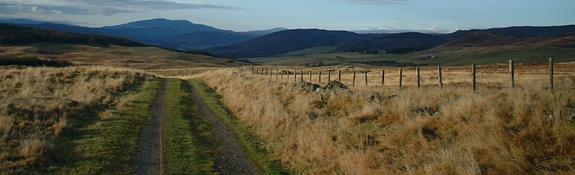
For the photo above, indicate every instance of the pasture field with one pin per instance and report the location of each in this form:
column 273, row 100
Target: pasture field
column 113, row 56
column 209, row 120
column 375, row 130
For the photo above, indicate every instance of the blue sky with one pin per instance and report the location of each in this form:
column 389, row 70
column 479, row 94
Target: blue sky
column 243, row 15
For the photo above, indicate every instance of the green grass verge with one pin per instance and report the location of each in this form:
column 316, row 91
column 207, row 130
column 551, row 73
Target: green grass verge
column 187, row 138
column 106, row 142
column 250, row 143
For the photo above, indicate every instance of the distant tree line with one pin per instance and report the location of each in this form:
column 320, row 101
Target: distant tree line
column 14, row 35
column 33, row 61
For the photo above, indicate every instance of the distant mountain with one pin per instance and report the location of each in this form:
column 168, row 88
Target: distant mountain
column 265, row 32
column 172, row 26
column 286, row 41
column 153, row 30
column 173, row 34
column 392, row 31
column 412, row 42
column 20, row 21
column 524, row 31
column 396, row 43
column 203, row 40
column 14, row 35
column 484, row 39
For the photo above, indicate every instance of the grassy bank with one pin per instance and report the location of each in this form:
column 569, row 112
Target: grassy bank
column 454, row 130
column 252, row 147
column 47, row 113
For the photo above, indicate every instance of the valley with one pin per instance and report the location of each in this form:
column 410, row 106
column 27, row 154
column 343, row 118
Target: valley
column 162, row 96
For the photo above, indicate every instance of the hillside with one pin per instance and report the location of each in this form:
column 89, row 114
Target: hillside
column 396, row 43
column 10, row 34
column 173, row 34
column 463, row 51
column 413, row 42
column 286, row 41
column 203, row 40
column 311, row 41
column 44, row 47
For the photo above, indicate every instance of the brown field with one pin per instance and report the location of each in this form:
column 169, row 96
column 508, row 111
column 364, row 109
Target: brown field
column 115, row 56
column 364, row 130
column 39, row 104
column 497, row 130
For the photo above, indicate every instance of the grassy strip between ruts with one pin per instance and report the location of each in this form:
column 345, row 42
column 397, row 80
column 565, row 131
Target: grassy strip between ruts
column 107, row 146
column 248, row 141
column 187, row 137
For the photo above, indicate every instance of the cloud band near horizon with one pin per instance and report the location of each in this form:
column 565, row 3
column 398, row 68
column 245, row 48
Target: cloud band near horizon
column 100, row 7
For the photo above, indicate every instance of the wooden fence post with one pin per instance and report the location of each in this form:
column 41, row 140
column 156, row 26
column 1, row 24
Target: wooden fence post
column 301, row 76
column 353, row 82
column 339, row 75
column 551, row 83
column 277, row 73
column 474, row 76
column 400, row 77
column 282, row 74
column 365, row 75
column 439, row 76
column 319, row 77
column 382, row 78
column 512, row 73
column 295, row 76
column 310, row 79
column 418, row 77
column 328, row 76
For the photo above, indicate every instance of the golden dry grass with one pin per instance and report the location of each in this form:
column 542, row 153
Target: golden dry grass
column 373, row 130
column 37, row 104
column 116, row 56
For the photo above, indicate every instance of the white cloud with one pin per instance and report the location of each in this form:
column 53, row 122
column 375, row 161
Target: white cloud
column 96, row 7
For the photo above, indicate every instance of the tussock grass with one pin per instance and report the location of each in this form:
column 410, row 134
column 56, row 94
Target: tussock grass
column 40, row 104
column 413, row 131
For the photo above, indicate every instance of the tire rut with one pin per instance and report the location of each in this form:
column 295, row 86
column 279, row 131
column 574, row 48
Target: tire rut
column 149, row 157
column 230, row 158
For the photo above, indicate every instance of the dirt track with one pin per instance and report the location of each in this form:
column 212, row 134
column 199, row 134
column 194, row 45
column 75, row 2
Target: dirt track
column 149, row 158
column 231, row 158
column 229, row 155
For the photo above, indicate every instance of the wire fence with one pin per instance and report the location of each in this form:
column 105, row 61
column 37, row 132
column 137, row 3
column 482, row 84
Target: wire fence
column 474, row 76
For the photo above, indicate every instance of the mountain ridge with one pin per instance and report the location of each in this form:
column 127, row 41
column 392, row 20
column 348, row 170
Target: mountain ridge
column 152, row 32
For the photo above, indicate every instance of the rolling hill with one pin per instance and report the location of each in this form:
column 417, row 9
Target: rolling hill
column 396, row 43
column 287, row 41
column 10, row 34
column 38, row 46
column 173, row 34
column 311, row 41
column 413, row 42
